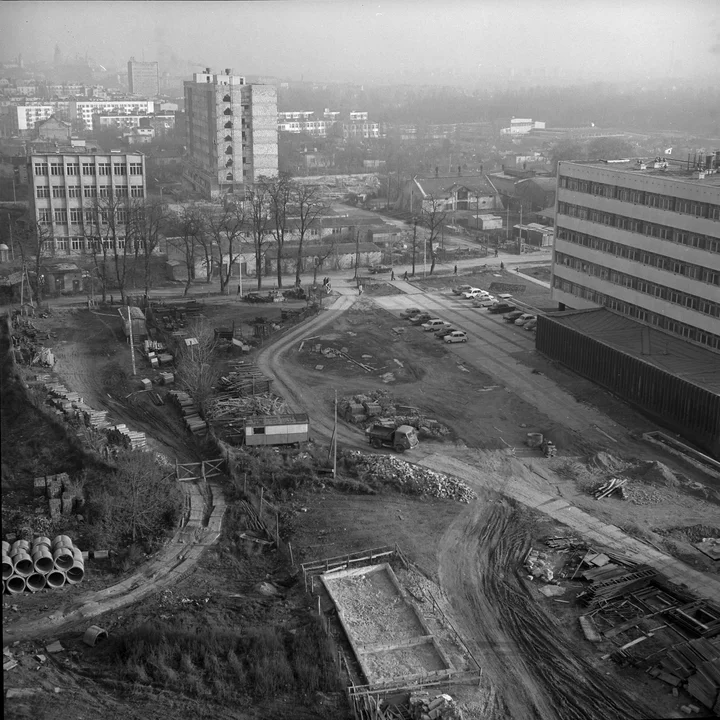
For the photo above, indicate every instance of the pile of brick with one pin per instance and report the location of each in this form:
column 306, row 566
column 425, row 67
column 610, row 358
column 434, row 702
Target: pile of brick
column 423, row 706
column 412, row 479
column 58, row 491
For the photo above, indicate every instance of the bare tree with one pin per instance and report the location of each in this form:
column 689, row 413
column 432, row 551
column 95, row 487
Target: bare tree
column 196, row 371
column 259, row 208
column 32, row 240
column 147, row 220
column 324, row 252
column 185, row 228
column 280, row 194
column 308, row 208
column 226, row 227
column 432, row 218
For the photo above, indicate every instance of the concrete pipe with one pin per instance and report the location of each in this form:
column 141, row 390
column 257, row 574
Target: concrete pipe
column 63, row 558
column 43, row 559
column 15, row 585
column 5, row 547
column 76, row 573
column 93, row 635
column 19, row 545
column 22, row 563
column 35, row 582
column 7, row 566
column 55, row 579
column 62, row 539
column 42, row 540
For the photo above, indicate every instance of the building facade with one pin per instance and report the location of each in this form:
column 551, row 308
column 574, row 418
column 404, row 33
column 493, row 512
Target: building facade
column 82, row 111
column 82, row 201
column 143, row 78
column 232, row 133
column 26, row 117
column 642, row 239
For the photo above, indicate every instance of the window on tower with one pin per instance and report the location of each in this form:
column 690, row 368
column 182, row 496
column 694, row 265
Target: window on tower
column 228, row 124
column 228, row 111
column 228, row 150
column 229, row 176
column 226, row 98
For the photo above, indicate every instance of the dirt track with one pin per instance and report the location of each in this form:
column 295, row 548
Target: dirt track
column 523, row 650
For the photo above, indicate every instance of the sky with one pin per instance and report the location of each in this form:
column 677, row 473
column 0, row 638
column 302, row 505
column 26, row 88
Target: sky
column 387, row 41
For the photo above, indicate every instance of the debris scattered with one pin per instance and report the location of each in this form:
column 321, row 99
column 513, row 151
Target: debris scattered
column 614, row 486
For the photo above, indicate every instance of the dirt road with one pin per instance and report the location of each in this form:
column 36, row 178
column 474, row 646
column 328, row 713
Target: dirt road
column 522, row 648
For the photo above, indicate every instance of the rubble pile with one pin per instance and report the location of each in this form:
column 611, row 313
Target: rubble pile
column 424, row 706
column 59, row 491
column 238, row 407
column 412, row 479
column 27, row 346
column 536, row 564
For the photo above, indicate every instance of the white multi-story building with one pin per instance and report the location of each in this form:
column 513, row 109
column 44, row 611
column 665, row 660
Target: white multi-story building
column 25, row 117
column 83, row 110
column 232, row 133
column 75, row 198
column 302, row 121
column 643, row 239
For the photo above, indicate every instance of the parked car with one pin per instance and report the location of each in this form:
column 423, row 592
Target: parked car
column 445, row 331
column 501, row 307
column 455, row 336
column 375, row 269
column 481, row 302
column 513, row 316
column 460, row 289
column 434, row 324
column 475, row 293
column 420, row 318
column 409, row 312
column 530, row 324
column 525, row 317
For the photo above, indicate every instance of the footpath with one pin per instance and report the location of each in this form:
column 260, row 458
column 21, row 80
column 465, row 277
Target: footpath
column 589, row 527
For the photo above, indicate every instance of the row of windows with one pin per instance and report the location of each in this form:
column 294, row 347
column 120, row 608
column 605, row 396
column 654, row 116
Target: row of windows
column 642, row 197
column 88, row 169
column 662, row 262
column 677, row 297
column 642, row 227
column 74, row 191
column 46, row 216
column 657, row 320
column 80, row 244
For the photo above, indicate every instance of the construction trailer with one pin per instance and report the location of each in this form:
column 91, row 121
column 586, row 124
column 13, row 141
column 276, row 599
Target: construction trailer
column 139, row 327
column 277, row 429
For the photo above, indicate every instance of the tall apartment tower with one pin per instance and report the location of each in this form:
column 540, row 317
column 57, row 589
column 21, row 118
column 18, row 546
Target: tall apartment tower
column 143, row 78
column 232, row 134
column 71, row 196
column 642, row 238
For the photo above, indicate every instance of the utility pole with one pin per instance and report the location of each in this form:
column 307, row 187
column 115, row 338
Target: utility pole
column 507, row 229
column 132, row 345
column 335, row 441
column 12, row 244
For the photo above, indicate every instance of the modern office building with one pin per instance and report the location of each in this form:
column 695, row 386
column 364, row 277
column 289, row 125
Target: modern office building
column 76, row 198
column 232, row 133
column 26, row 117
column 642, row 238
column 143, row 78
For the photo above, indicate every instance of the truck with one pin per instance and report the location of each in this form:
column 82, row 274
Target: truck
column 400, row 439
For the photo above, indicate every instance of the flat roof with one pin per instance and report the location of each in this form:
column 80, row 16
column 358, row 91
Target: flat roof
column 676, row 170
column 674, row 355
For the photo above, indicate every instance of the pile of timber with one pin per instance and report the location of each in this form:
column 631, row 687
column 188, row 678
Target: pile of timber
column 122, row 435
column 191, row 415
column 244, row 380
column 695, row 663
column 441, row 707
column 167, row 378
column 227, row 407
column 257, row 530
column 610, row 581
column 614, row 486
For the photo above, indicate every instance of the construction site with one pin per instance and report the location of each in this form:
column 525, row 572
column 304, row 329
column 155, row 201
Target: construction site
column 360, row 521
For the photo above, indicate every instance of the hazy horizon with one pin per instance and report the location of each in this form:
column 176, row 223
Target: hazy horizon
column 380, row 42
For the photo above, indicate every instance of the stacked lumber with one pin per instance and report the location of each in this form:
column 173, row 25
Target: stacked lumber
column 191, row 415
column 425, row 707
column 167, row 378
column 605, row 589
column 699, row 618
column 96, row 418
column 153, row 345
column 245, row 379
column 122, row 435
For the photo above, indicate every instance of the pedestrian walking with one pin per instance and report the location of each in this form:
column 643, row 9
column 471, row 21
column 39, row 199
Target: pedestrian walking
column 496, row 252
column 239, row 289
column 502, row 265
column 392, row 275
column 359, row 289
column 405, row 276
column 455, row 271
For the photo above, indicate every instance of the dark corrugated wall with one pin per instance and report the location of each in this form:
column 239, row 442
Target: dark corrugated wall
column 681, row 406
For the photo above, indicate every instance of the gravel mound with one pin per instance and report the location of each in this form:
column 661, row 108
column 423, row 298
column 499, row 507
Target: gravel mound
column 657, row 473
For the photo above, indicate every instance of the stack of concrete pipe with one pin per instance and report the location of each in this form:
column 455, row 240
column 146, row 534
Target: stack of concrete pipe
column 41, row 564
